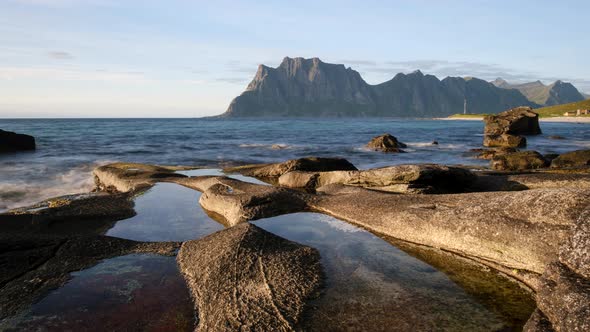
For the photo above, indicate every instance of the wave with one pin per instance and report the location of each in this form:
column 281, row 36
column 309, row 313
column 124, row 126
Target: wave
column 21, row 193
column 276, row 146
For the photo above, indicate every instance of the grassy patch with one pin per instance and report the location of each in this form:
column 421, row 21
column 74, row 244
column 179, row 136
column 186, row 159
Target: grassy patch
column 558, row 110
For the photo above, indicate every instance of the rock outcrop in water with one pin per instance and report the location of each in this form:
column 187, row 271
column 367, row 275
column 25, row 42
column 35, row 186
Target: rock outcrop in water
column 13, row 142
column 578, row 158
column 504, row 129
column 311, row 88
column 386, row 143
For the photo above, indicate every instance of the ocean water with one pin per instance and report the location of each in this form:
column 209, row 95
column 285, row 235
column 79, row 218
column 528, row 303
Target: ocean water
column 68, row 149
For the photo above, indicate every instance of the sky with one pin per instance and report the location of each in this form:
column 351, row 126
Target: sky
column 180, row 58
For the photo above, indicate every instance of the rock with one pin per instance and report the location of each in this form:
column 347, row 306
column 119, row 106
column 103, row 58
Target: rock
column 515, row 232
column 517, row 121
column 401, row 178
column 386, row 143
column 310, row 164
column 83, row 214
column 491, row 153
column 434, row 142
column 555, row 137
column 550, row 156
column 246, row 279
column 126, row 177
column 538, row 323
column 238, row 201
column 519, row 161
column 504, row 140
column 13, row 142
column 564, row 298
column 575, row 252
column 578, row 158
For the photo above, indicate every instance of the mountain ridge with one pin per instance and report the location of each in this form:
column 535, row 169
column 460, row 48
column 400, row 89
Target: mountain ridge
column 301, row 87
column 556, row 93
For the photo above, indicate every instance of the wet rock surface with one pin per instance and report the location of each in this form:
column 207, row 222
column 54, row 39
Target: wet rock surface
column 386, row 143
column 128, row 177
column 244, row 278
column 13, row 142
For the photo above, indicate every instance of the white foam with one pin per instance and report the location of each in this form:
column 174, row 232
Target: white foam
column 20, row 193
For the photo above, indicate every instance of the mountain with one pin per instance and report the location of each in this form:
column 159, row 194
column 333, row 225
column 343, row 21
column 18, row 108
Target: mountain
column 546, row 95
column 301, row 87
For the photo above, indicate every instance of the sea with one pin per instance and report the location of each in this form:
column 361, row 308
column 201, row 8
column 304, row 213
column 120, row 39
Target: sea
column 69, row 149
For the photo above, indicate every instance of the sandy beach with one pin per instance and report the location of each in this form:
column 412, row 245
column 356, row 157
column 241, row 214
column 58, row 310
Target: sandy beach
column 554, row 119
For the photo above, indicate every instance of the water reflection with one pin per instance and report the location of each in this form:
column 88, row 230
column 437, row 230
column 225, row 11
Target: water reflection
column 166, row 212
column 373, row 286
column 139, row 292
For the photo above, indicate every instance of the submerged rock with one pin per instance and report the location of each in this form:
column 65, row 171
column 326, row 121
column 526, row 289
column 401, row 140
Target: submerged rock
column 12, row 142
column 401, row 178
column 519, row 161
column 386, row 143
column 245, row 278
column 578, row 158
column 310, row 164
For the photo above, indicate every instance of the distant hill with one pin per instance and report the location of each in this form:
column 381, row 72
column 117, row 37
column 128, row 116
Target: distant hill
column 558, row 110
column 301, row 87
column 546, row 95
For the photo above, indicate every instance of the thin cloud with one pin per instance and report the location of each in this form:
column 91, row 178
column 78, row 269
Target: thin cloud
column 60, row 55
column 359, row 62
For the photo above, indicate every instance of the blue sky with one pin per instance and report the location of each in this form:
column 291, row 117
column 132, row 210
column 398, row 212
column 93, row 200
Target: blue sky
column 128, row 58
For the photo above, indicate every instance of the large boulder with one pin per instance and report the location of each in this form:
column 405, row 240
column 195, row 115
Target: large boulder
column 309, row 164
column 12, row 142
column 517, row 121
column 578, row 158
column 247, row 279
column 504, row 140
column 519, row 161
column 503, row 129
column 386, row 143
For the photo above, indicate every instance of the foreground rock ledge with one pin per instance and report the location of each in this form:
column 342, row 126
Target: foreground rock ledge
column 246, row 279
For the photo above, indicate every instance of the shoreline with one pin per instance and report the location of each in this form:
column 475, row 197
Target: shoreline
column 553, row 119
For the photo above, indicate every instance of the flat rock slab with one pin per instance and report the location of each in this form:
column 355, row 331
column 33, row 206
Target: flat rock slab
column 400, row 178
column 127, row 177
column 246, row 279
column 13, row 142
column 237, row 201
column 311, row 164
column 518, row 230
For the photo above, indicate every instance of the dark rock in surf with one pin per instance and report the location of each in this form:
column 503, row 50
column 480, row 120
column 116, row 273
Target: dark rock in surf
column 13, row 142
column 386, row 143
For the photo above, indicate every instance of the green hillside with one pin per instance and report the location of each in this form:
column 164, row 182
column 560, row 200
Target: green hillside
column 558, row 110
